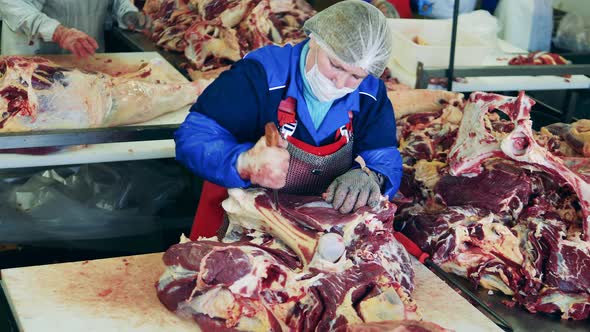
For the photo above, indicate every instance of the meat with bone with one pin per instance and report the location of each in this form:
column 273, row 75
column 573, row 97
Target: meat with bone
column 230, row 12
column 257, row 29
column 575, row 137
column 212, row 45
column 512, row 224
column 399, row 326
column 476, row 142
column 170, row 32
column 269, row 272
column 213, row 33
column 36, row 94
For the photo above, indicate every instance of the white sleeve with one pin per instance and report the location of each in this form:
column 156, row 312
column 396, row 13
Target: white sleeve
column 26, row 16
column 122, row 7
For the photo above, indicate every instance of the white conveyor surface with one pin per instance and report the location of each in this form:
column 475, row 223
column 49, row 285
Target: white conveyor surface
column 504, row 53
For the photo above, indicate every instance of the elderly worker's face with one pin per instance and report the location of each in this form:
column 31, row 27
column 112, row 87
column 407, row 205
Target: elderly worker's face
column 341, row 74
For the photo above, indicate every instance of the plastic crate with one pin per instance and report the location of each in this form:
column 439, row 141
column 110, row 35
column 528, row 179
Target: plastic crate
column 470, row 50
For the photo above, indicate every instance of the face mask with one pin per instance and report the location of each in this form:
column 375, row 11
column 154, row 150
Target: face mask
column 322, row 87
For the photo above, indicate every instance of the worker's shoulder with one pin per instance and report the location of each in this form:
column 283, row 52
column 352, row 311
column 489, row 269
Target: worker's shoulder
column 274, row 55
column 369, row 87
column 276, row 61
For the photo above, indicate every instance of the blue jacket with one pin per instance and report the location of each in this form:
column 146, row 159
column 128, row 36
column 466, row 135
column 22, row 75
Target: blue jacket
column 229, row 118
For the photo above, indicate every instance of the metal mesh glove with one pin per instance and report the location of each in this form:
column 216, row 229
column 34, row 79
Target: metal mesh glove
column 354, row 32
column 352, row 190
column 136, row 21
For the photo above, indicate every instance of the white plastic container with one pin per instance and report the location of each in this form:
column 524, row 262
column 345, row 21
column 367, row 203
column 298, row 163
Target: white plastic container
column 470, row 49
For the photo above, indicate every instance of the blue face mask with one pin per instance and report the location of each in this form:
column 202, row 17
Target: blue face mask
column 321, row 86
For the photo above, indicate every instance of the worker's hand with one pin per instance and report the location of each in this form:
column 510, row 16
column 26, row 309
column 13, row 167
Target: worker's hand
column 353, row 190
column 75, row 41
column 137, row 21
column 265, row 166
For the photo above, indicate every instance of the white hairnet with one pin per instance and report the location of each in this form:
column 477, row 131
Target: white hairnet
column 355, row 32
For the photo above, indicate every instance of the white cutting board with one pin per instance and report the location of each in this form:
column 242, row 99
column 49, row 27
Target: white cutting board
column 118, row 294
column 110, row 63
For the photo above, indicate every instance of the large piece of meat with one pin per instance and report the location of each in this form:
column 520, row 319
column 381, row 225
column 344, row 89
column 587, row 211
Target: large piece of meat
column 499, row 204
column 36, row 94
column 300, row 266
column 213, row 34
column 477, row 142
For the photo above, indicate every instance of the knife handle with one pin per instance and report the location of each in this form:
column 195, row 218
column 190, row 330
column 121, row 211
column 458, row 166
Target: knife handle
column 411, row 247
column 271, row 134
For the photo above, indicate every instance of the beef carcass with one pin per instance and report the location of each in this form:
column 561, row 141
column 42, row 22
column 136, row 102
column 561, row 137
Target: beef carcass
column 211, row 45
column 575, row 137
column 507, row 223
column 169, row 32
column 396, row 326
column 257, row 29
column 36, row 94
column 271, row 273
column 213, row 34
column 477, row 141
column 230, row 12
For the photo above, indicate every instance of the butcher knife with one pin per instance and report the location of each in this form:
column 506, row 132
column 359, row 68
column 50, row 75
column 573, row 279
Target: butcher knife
column 415, row 251
column 271, row 134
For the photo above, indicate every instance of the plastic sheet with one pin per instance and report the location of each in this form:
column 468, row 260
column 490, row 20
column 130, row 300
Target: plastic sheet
column 527, row 24
column 480, row 23
column 93, row 201
column 573, row 33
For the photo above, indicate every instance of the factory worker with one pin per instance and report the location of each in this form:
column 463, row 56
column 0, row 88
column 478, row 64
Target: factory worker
column 325, row 96
column 62, row 26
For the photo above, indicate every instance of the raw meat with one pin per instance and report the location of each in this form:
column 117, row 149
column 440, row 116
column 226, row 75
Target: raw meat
column 575, row 137
column 36, row 94
column 214, row 34
column 214, row 45
column 476, row 142
column 269, row 272
column 257, row 29
column 422, row 101
column 497, row 203
column 538, row 58
column 396, row 326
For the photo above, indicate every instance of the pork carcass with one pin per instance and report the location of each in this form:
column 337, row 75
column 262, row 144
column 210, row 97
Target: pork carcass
column 299, row 266
column 36, row 94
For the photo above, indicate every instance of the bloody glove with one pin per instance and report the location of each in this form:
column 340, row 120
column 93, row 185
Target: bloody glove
column 352, row 190
column 136, row 21
column 75, row 41
column 264, row 165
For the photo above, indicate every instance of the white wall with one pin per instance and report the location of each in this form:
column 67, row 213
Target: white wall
column 581, row 7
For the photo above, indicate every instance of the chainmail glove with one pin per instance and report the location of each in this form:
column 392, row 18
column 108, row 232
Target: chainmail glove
column 353, row 190
column 137, row 21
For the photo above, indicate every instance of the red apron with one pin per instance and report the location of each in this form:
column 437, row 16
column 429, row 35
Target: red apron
column 209, row 216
